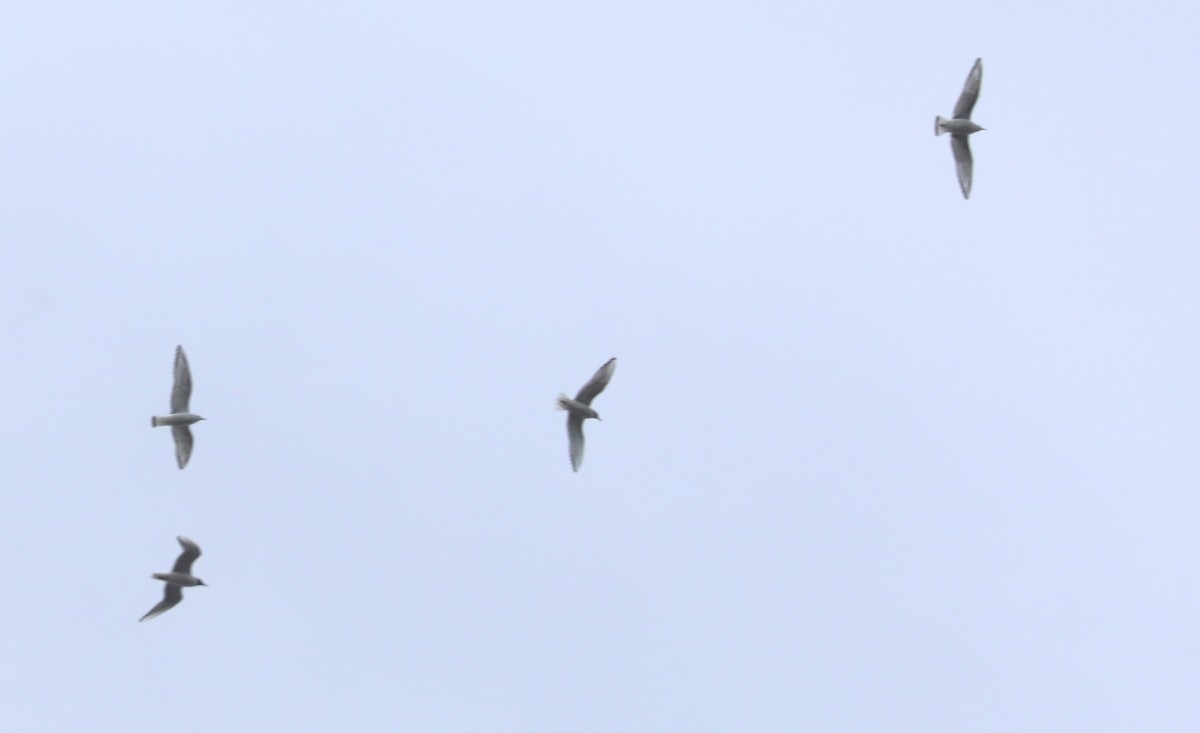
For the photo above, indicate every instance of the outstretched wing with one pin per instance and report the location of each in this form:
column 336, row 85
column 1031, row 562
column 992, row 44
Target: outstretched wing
column 970, row 92
column 183, row 444
column 575, row 436
column 182, row 391
column 191, row 551
column 597, row 383
column 962, row 162
column 172, row 595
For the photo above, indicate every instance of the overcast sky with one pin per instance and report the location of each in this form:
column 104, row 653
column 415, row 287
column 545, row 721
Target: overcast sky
column 874, row 458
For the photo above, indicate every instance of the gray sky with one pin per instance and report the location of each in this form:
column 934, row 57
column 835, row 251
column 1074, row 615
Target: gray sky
column 874, row 458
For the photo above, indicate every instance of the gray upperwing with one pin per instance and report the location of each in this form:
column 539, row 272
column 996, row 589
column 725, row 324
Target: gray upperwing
column 963, row 163
column 191, row 551
column 970, row 92
column 183, row 444
column 172, row 595
column 597, row 383
column 575, row 436
column 181, row 392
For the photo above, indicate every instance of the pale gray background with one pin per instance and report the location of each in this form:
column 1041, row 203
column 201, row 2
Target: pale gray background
column 874, row 458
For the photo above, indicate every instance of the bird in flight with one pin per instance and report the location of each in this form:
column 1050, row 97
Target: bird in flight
column 180, row 418
column 960, row 127
column 180, row 576
column 579, row 409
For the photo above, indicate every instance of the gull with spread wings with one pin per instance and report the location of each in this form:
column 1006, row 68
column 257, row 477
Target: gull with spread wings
column 180, row 418
column 180, row 576
column 960, row 127
column 579, row 409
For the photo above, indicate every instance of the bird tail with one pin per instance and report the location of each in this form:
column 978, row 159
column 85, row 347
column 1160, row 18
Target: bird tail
column 558, row 401
column 937, row 125
column 154, row 422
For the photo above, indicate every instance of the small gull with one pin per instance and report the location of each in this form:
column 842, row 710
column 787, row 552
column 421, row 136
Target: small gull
column 180, row 418
column 179, row 576
column 961, row 126
column 579, row 409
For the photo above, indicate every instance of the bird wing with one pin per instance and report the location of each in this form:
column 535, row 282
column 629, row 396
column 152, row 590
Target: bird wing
column 172, row 595
column 962, row 162
column 970, row 92
column 575, row 436
column 183, row 444
column 182, row 391
column 597, row 383
column 191, row 551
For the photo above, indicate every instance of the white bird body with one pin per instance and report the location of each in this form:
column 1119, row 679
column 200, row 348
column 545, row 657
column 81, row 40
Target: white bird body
column 576, row 408
column 175, row 418
column 955, row 127
column 185, row 579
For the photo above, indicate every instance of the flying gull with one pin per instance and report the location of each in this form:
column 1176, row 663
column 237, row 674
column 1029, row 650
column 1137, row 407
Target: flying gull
column 580, row 408
column 180, row 418
column 961, row 126
column 179, row 576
